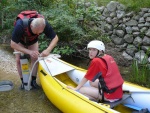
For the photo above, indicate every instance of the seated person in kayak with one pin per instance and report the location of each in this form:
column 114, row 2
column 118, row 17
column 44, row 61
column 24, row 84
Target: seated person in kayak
column 108, row 87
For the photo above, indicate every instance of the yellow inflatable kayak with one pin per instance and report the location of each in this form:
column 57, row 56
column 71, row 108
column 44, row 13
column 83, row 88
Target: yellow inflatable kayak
column 56, row 74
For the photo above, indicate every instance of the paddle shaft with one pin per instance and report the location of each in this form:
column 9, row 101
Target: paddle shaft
column 144, row 91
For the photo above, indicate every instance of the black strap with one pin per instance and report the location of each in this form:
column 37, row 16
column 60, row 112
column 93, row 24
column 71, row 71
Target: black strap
column 25, row 22
column 104, row 86
column 25, row 26
column 98, row 75
column 101, row 92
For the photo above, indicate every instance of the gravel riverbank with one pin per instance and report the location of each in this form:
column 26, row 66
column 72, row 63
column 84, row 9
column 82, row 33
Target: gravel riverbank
column 20, row 101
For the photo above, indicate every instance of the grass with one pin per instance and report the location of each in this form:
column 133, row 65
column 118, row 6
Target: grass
column 132, row 5
column 140, row 74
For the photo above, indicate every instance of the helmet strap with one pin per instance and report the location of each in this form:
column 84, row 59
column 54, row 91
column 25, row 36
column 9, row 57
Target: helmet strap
column 100, row 54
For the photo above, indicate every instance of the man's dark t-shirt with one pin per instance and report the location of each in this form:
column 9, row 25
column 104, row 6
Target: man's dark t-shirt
column 18, row 32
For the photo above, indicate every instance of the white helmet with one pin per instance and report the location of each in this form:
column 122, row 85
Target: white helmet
column 97, row 44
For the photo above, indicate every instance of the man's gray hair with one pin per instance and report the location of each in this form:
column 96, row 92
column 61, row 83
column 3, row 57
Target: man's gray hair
column 38, row 22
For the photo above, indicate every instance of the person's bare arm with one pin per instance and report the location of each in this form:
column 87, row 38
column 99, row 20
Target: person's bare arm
column 24, row 50
column 83, row 81
column 17, row 47
column 50, row 47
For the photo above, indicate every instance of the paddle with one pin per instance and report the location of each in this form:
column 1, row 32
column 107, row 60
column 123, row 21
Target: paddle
column 6, row 85
column 144, row 91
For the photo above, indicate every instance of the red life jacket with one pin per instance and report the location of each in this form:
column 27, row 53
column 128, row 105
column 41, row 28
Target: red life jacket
column 25, row 16
column 113, row 78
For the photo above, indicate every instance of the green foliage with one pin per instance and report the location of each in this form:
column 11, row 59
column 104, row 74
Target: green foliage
column 65, row 25
column 10, row 9
column 87, row 13
column 3, row 9
column 135, row 4
column 43, row 42
column 132, row 5
column 104, row 38
column 140, row 74
column 45, row 3
column 63, row 51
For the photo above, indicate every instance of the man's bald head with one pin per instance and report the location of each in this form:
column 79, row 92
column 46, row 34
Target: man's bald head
column 38, row 22
column 38, row 25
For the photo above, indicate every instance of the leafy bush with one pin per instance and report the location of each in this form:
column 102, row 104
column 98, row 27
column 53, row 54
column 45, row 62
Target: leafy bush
column 64, row 23
column 43, row 42
column 66, row 27
column 63, row 51
column 88, row 12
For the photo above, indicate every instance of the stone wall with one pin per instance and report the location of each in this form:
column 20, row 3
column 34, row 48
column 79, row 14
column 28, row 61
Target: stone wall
column 128, row 31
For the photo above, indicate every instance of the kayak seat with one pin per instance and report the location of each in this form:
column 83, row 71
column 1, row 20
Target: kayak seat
column 113, row 104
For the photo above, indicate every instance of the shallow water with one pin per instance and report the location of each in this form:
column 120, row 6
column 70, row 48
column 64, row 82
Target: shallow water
column 20, row 101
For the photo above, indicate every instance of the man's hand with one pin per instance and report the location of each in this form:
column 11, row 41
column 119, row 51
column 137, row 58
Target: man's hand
column 34, row 54
column 50, row 47
column 45, row 53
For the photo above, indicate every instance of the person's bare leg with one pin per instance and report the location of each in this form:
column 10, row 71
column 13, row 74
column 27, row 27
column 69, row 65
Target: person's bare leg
column 90, row 92
column 34, row 47
column 95, row 83
column 19, row 67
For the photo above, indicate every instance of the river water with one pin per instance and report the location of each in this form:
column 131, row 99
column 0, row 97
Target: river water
column 20, row 101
